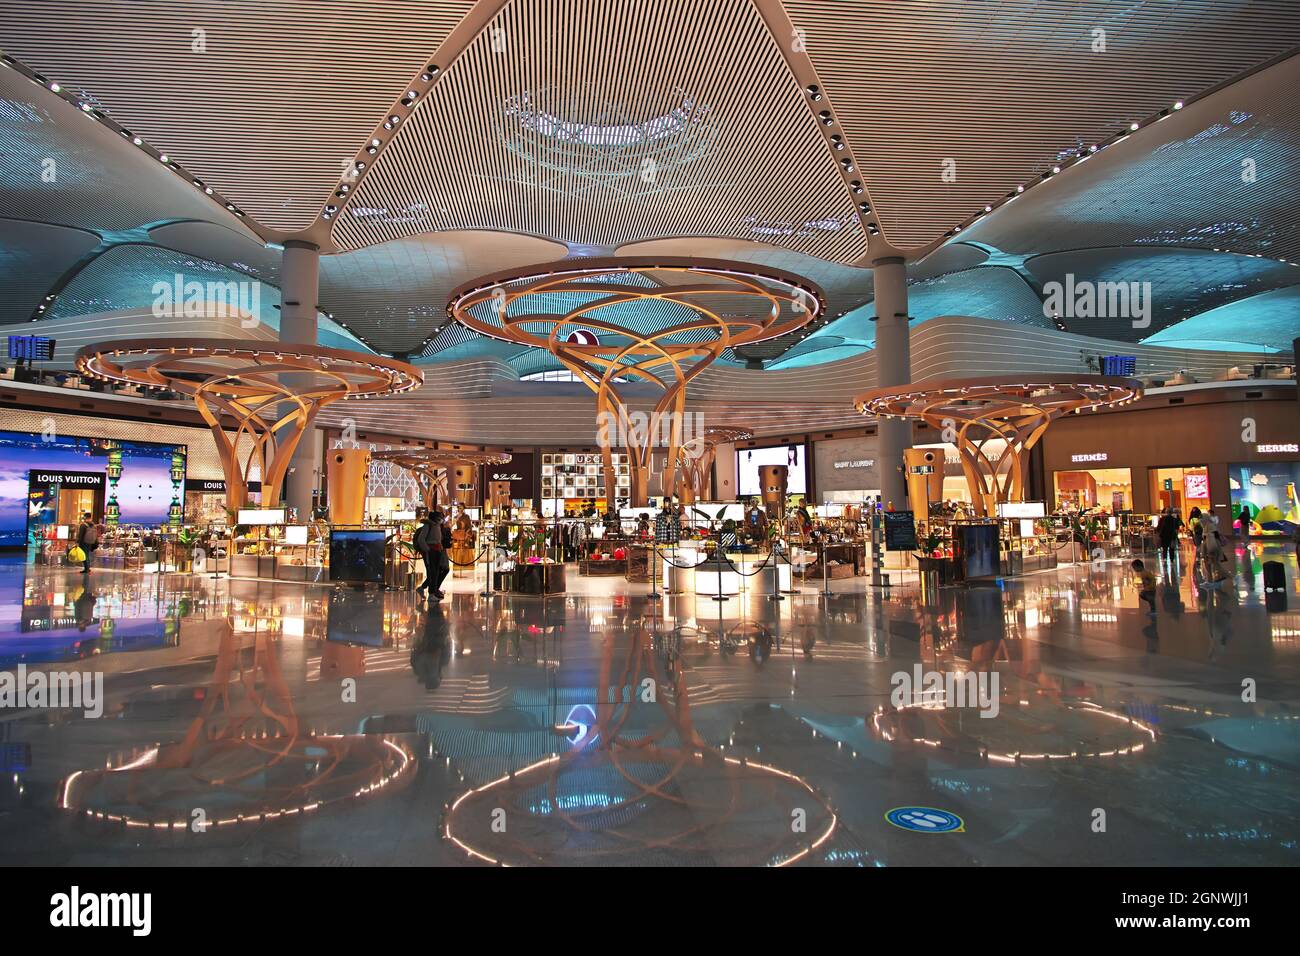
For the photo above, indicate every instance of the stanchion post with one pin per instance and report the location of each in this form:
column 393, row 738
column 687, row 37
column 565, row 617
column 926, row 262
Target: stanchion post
column 826, row 587
column 489, row 554
column 654, row 581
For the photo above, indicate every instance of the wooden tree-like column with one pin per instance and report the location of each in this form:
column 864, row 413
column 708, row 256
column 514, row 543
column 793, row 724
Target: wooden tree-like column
column 625, row 320
column 430, row 466
column 971, row 413
column 272, row 393
column 697, row 456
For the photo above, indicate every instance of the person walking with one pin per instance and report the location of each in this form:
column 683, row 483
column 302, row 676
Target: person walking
column 1167, row 535
column 87, row 539
column 433, row 549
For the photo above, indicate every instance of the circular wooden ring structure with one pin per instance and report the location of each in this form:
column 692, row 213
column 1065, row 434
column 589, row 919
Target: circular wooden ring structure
column 971, row 412
column 660, row 320
column 696, row 456
column 429, row 466
column 272, row 391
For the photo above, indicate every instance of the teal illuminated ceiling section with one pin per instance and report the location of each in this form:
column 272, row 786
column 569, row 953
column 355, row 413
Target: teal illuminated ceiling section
column 144, row 277
column 1168, row 284
column 1268, row 322
column 989, row 293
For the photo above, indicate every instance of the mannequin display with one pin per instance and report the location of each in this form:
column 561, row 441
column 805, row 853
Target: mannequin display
column 462, row 546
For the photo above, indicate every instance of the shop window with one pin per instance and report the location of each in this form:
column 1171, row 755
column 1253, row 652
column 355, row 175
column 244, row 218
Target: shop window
column 1267, row 491
column 1180, row 488
column 1106, row 489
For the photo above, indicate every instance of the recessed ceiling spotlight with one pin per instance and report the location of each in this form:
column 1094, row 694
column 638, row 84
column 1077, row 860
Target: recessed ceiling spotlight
column 1178, row 105
column 1092, row 148
column 163, row 158
column 55, row 87
column 988, row 208
column 208, row 190
column 865, row 206
column 1133, row 126
column 432, row 68
column 394, row 119
column 1020, row 189
column 85, row 107
column 388, row 126
column 426, row 77
column 360, row 165
column 344, row 188
column 371, row 150
column 1056, row 169
column 137, row 140
column 331, row 208
column 376, row 142
column 411, row 94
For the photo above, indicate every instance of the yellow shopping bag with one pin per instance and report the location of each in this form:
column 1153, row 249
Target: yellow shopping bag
column 76, row 555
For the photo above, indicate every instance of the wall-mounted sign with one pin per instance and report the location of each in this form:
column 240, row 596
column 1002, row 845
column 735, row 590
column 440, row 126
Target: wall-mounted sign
column 857, row 463
column 1284, row 448
column 262, row 516
column 519, row 472
column 214, row 486
column 1092, row 456
column 68, row 479
column 1022, row 509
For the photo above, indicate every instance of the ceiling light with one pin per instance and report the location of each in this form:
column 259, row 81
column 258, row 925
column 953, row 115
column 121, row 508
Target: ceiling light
column 1020, row 189
column 856, row 186
column 1178, row 105
column 426, row 77
column 988, row 208
column 394, row 120
column 1056, row 169
column 388, row 126
column 163, row 158
column 376, row 143
column 55, row 87
column 208, row 190
column 137, row 140
column 1133, row 126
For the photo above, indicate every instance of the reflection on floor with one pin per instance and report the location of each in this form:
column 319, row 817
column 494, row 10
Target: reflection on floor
column 258, row 723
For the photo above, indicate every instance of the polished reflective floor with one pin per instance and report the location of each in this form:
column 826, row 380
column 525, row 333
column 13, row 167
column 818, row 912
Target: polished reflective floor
column 260, row 723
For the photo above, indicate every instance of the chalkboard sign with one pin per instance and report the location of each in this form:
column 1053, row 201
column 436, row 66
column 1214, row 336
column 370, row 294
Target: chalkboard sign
column 900, row 531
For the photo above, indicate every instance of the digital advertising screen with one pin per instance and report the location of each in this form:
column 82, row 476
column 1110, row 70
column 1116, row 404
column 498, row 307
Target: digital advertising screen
column 139, row 482
column 1268, row 491
column 357, row 556
column 794, row 457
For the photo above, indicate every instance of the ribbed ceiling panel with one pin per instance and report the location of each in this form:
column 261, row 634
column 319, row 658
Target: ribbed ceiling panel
column 604, row 123
column 1002, row 88
column 396, row 293
column 284, row 93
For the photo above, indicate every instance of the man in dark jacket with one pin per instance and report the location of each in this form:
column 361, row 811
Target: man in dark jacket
column 1167, row 534
column 429, row 543
column 87, row 539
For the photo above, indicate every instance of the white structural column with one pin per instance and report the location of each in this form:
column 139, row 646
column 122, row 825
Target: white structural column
column 893, row 367
column 300, row 278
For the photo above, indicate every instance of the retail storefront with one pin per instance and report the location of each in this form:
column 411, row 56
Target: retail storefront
column 847, row 469
column 1233, row 448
